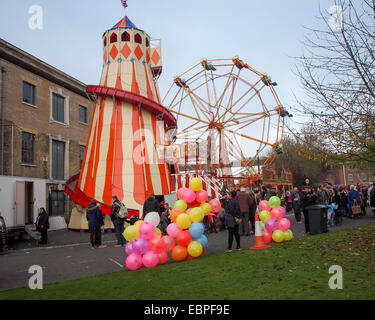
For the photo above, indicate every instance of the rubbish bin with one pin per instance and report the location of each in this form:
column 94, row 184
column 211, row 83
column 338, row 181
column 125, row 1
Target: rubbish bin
column 318, row 218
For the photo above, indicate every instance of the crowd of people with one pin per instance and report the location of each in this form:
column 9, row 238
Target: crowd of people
column 237, row 215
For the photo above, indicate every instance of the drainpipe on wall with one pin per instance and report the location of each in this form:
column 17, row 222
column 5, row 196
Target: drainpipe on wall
column 343, row 170
column 3, row 72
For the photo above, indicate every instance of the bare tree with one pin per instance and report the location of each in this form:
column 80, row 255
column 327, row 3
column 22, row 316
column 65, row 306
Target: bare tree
column 337, row 72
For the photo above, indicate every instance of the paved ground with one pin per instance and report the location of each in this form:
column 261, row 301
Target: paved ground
column 69, row 255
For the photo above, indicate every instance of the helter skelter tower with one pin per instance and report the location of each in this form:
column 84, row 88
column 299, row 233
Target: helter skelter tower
column 128, row 123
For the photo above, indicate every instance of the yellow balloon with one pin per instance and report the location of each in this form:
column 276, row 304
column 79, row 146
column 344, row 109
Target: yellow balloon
column 206, row 208
column 131, row 233
column 196, row 214
column 195, row 184
column 195, row 249
column 183, row 221
column 158, row 232
column 264, row 216
column 278, row 236
column 138, row 223
column 288, row 235
column 180, row 204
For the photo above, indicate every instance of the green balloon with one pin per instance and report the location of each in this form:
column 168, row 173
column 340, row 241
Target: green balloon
column 274, row 202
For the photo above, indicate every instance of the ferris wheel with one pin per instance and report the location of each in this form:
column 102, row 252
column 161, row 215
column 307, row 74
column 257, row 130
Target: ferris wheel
column 233, row 110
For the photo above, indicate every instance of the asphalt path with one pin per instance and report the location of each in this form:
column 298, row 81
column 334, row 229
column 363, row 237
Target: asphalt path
column 68, row 254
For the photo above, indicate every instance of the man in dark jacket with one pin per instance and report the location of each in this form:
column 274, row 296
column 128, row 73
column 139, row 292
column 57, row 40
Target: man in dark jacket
column 42, row 225
column 308, row 198
column 246, row 203
column 151, row 205
column 232, row 215
column 117, row 221
column 96, row 221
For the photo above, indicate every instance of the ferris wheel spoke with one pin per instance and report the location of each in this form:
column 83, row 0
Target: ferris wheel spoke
column 230, row 79
column 230, row 100
column 248, row 137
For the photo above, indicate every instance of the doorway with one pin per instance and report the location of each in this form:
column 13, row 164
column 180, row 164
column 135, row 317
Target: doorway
column 29, row 202
column 57, row 203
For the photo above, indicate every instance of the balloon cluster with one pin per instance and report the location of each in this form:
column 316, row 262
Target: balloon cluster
column 185, row 240
column 146, row 247
column 187, row 217
column 273, row 222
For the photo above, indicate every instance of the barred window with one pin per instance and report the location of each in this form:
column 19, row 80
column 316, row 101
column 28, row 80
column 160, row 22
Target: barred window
column 28, row 148
column 82, row 114
column 58, row 108
column 28, row 93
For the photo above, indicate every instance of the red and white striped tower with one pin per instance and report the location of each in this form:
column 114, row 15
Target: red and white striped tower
column 128, row 123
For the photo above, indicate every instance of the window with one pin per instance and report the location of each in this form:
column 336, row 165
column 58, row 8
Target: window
column 147, row 43
column 350, row 177
column 58, row 160
column 82, row 114
column 113, row 37
column 138, row 39
column 28, row 93
column 105, row 41
column 125, row 36
column 28, row 148
column 81, row 154
column 58, row 108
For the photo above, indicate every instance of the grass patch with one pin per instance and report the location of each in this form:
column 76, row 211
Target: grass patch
column 293, row 270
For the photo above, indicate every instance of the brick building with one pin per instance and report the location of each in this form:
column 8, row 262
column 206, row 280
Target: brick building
column 44, row 117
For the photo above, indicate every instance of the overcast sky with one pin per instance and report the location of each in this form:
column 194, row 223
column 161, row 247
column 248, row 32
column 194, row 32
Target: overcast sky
column 265, row 34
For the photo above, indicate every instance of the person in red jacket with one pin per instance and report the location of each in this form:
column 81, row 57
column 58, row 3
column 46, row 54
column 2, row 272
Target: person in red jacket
column 246, row 203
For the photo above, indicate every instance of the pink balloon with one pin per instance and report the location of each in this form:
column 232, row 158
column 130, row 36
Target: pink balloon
column 156, row 244
column 271, row 225
column 169, row 243
column 134, row 262
column 180, row 193
column 189, row 196
column 129, row 248
column 202, row 196
column 147, row 230
column 267, row 236
column 215, row 205
column 284, row 224
column 150, row 259
column 277, row 214
column 173, row 230
column 163, row 258
column 188, row 210
column 264, row 206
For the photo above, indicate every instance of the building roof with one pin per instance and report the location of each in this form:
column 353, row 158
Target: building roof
column 27, row 61
column 124, row 23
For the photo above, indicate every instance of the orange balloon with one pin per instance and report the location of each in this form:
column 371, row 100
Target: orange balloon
column 174, row 214
column 179, row 253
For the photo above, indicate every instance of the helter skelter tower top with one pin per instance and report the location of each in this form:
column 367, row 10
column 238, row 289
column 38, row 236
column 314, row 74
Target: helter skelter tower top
column 128, row 122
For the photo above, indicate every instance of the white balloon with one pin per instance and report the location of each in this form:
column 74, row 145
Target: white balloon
column 153, row 217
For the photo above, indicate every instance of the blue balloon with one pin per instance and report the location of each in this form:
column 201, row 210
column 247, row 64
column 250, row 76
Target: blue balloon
column 196, row 230
column 202, row 240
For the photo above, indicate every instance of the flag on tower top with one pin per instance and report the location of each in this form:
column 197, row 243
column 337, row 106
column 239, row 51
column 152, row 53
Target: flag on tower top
column 124, row 3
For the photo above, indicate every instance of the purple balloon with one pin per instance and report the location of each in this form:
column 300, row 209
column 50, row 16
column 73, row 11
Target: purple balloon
column 271, row 225
column 284, row 210
column 140, row 246
column 129, row 248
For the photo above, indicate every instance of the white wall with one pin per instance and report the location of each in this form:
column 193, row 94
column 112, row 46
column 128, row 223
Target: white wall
column 8, row 197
